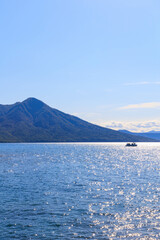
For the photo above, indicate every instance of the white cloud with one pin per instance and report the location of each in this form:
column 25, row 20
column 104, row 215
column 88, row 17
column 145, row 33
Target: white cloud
column 141, row 105
column 134, row 126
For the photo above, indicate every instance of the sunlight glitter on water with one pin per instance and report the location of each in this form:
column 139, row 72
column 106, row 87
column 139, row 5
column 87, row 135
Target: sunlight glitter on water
column 88, row 191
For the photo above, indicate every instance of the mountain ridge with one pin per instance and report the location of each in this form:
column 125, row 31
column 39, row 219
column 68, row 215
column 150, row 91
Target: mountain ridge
column 34, row 121
column 151, row 134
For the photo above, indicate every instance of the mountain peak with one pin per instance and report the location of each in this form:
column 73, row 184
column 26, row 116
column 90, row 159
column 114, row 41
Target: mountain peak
column 33, row 105
column 34, row 121
column 32, row 100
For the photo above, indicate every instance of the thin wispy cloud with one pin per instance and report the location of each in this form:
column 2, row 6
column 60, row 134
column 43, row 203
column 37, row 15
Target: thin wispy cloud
column 86, row 115
column 141, row 83
column 141, row 106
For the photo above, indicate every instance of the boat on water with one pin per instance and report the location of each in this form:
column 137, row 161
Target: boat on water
column 131, row 144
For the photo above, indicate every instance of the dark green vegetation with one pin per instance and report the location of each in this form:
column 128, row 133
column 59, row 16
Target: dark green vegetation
column 152, row 134
column 34, row 121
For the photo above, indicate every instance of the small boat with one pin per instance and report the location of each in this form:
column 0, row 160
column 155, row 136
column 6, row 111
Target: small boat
column 131, row 144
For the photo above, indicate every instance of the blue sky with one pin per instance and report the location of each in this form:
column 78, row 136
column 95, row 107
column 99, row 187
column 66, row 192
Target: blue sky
column 96, row 59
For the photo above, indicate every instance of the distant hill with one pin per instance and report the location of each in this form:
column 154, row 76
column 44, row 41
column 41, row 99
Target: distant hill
column 151, row 134
column 34, row 121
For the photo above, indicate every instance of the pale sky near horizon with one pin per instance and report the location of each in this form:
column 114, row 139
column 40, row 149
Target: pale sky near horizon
column 96, row 59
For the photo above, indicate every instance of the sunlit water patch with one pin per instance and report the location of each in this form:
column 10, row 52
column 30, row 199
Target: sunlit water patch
column 79, row 191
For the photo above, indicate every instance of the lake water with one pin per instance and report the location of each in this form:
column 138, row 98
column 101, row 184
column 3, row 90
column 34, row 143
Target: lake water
column 79, row 191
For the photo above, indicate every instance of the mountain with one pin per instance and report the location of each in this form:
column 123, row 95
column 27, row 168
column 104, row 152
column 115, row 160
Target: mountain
column 151, row 134
column 34, row 121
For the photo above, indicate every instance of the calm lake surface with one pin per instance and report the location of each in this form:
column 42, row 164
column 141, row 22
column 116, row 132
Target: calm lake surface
column 79, row 191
